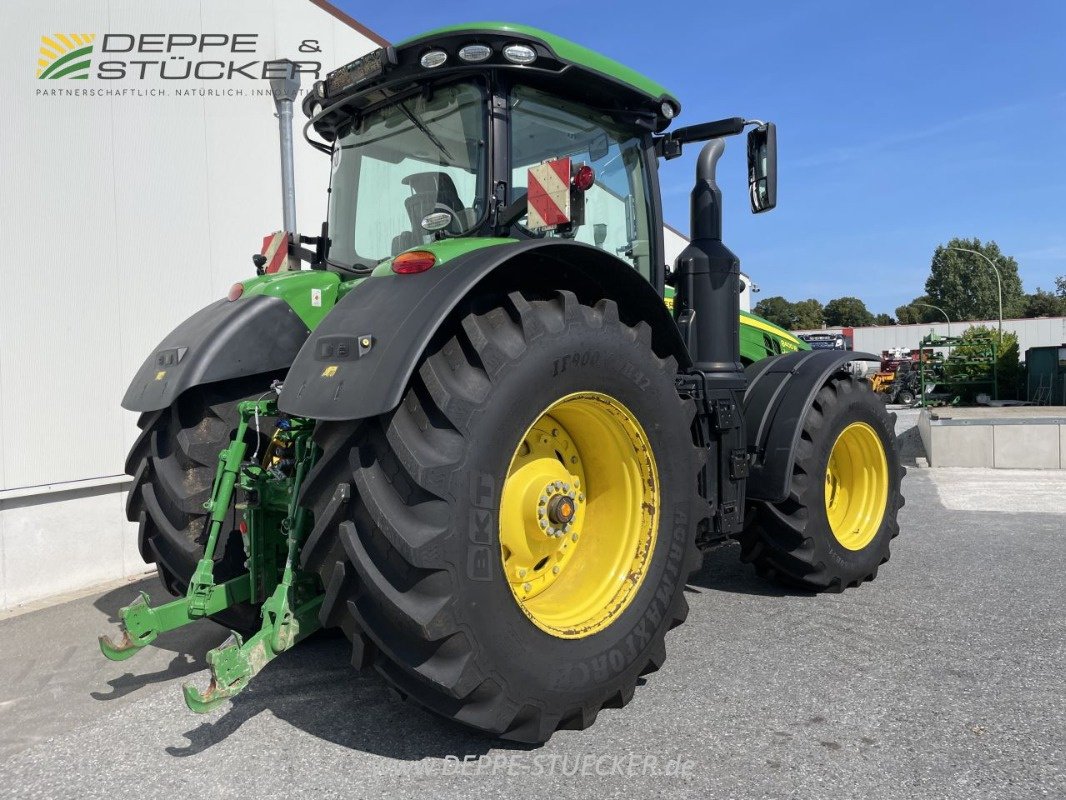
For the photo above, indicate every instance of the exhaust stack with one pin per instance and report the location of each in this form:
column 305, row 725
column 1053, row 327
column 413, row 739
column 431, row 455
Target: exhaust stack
column 709, row 278
column 285, row 89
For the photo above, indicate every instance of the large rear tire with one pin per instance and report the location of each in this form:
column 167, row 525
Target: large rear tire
column 173, row 464
column 835, row 527
column 457, row 575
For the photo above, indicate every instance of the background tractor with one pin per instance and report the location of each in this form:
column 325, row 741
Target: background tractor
column 472, row 435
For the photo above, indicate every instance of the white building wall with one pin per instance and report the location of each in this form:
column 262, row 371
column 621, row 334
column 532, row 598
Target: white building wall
column 1031, row 333
column 122, row 215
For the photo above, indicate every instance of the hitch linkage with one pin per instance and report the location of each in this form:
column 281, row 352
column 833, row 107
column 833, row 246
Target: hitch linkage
column 272, row 519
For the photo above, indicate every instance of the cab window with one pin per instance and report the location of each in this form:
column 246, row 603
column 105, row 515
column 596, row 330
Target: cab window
column 617, row 214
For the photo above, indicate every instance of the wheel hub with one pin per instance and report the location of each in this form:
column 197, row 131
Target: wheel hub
column 538, row 491
column 561, row 509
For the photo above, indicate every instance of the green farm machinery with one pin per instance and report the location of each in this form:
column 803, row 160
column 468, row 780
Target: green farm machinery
column 483, row 430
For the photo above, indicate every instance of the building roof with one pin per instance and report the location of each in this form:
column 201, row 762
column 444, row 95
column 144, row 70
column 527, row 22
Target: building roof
column 335, row 12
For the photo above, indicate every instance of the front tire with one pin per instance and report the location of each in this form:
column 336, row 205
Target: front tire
column 835, row 527
column 419, row 519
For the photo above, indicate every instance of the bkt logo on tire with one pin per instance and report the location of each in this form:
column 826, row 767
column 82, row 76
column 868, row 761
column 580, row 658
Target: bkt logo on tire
column 65, row 55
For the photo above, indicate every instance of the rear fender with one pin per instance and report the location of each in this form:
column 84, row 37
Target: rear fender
column 360, row 359
column 225, row 340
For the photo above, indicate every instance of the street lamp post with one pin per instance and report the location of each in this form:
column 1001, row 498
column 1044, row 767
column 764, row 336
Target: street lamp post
column 999, row 282
column 938, row 308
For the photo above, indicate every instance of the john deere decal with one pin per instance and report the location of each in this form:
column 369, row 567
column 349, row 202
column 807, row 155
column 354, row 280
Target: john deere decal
column 65, row 55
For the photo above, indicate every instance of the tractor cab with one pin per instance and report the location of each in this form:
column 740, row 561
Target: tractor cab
column 490, row 130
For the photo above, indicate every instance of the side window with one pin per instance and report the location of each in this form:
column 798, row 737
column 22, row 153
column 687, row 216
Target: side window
column 405, row 160
column 616, row 207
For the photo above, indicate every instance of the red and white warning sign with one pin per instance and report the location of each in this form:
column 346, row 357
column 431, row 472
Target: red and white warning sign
column 276, row 250
column 548, row 194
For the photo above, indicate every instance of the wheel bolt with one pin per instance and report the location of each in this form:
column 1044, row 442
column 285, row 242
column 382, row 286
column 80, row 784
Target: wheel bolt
column 527, row 586
column 574, row 537
column 555, row 570
column 521, row 573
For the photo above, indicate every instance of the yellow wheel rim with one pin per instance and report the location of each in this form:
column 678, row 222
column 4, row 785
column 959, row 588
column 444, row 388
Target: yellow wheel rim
column 856, row 486
column 578, row 515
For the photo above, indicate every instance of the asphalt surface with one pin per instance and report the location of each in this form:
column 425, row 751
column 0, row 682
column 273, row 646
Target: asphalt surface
column 944, row 678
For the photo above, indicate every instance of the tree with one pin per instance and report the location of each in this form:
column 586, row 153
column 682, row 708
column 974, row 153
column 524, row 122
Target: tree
column 914, row 312
column 777, row 310
column 1060, row 286
column 845, row 312
column 884, row 319
column 964, row 285
column 808, row 314
column 1044, row 304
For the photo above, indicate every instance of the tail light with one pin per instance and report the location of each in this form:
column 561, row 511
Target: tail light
column 413, row 262
column 584, row 178
column 235, row 291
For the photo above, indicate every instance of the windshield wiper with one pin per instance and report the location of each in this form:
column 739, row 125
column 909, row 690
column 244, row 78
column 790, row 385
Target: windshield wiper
column 429, row 135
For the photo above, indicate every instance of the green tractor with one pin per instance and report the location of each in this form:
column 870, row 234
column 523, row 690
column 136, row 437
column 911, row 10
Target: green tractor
column 472, row 435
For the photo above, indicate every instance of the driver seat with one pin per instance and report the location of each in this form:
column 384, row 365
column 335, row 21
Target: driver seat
column 430, row 191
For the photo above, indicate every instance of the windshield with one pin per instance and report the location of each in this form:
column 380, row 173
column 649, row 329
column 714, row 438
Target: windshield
column 396, row 165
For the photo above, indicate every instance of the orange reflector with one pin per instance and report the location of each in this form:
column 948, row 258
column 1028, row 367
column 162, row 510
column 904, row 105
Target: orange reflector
column 243, row 528
column 235, row 291
column 414, row 262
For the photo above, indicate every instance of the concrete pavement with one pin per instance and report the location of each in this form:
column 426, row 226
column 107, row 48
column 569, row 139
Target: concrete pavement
column 944, row 678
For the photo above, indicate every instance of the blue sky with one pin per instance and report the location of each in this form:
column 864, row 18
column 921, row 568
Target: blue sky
column 900, row 124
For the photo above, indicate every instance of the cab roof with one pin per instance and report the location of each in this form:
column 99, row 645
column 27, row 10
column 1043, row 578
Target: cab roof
column 572, row 52
column 561, row 67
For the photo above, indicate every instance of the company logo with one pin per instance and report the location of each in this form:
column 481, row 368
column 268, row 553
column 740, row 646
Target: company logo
column 167, row 65
column 170, row 57
column 65, row 55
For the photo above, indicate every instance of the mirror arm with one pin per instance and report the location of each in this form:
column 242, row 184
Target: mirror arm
column 670, row 145
column 667, row 147
column 509, row 214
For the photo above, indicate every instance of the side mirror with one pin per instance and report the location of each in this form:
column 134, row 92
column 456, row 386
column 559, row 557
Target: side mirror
column 762, row 167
